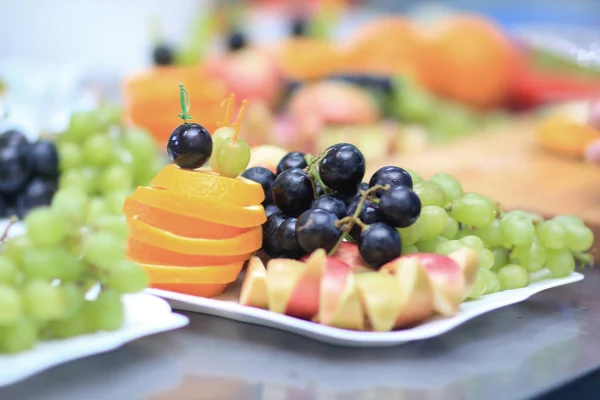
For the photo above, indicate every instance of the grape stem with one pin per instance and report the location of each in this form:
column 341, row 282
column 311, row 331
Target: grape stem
column 12, row 221
column 313, row 172
column 184, row 100
column 354, row 219
column 586, row 259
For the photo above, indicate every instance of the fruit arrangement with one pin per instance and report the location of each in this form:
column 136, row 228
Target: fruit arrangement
column 46, row 274
column 28, row 174
column 321, row 204
column 194, row 228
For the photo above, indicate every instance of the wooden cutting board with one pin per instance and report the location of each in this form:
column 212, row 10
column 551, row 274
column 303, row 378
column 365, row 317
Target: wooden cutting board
column 507, row 166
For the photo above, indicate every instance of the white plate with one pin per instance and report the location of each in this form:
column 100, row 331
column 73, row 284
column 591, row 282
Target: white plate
column 226, row 306
column 144, row 315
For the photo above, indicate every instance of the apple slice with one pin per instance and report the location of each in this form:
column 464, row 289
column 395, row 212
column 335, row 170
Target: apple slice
column 340, row 302
column 415, row 289
column 282, row 277
column 348, row 313
column 254, row 288
column 305, row 298
column 468, row 260
column 380, row 298
column 447, row 280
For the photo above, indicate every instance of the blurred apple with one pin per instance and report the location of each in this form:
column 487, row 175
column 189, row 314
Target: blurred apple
column 254, row 287
column 267, row 156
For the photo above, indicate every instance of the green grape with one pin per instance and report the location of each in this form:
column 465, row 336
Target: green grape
column 110, row 114
column 413, row 103
column 141, row 145
column 466, row 232
column 451, row 186
column 219, row 137
column 517, row 230
column 552, row 234
column 115, row 201
column 409, row 249
column 501, row 257
column 432, row 222
column 82, row 124
column 568, row 220
column 8, row 270
column 91, row 174
column 19, row 336
column 74, row 296
column 116, row 178
column 16, row 247
column 105, row 313
column 579, row 238
column 416, row 178
column 493, row 282
column 43, row 301
column 491, row 235
column 451, row 229
column 513, row 276
column 96, row 208
column 429, row 246
column 45, row 227
column 11, row 305
column 233, row 157
column 144, row 173
column 474, row 209
column 69, row 327
column 102, row 249
column 480, row 286
column 531, row 256
column 472, row 242
column 560, row 262
column 127, row 277
column 449, row 247
column 69, row 156
column 486, row 259
column 98, row 150
column 430, row 194
column 74, row 178
column 113, row 224
column 71, row 204
column 46, row 263
column 410, row 234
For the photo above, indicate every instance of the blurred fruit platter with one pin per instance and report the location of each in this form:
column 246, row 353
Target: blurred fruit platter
column 330, row 225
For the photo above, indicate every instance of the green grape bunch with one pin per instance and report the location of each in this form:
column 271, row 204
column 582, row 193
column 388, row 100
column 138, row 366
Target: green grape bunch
column 516, row 247
column 46, row 273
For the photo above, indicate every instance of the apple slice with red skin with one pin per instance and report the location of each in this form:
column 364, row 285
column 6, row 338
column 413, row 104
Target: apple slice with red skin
column 415, row 289
column 305, row 298
column 348, row 253
column 447, row 280
column 468, row 260
column 380, row 297
column 340, row 304
column 282, row 277
column 254, row 288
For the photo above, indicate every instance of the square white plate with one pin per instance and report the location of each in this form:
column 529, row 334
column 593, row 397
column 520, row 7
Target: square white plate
column 144, row 315
column 226, row 306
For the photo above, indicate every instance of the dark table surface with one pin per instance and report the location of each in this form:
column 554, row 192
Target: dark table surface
column 513, row 353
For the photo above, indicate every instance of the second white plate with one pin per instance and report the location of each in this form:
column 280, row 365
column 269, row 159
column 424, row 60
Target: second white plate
column 226, row 306
column 144, row 315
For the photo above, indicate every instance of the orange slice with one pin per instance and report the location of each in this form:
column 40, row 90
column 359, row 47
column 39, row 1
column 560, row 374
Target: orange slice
column 242, row 244
column 201, row 290
column 179, row 224
column 210, row 274
column 209, row 185
column 207, row 210
column 148, row 254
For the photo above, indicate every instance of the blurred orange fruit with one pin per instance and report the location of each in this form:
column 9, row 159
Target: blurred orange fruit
column 193, row 289
column 469, row 59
